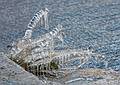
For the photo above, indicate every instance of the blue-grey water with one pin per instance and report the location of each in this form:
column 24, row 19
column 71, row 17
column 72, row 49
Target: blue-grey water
column 93, row 24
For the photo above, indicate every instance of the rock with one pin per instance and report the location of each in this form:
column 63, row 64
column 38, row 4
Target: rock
column 13, row 74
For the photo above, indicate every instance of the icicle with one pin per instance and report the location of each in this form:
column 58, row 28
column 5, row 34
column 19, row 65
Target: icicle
column 41, row 21
column 46, row 18
column 106, row 64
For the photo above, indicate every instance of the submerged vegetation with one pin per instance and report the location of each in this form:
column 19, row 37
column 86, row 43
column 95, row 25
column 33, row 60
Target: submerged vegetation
column 53, row 65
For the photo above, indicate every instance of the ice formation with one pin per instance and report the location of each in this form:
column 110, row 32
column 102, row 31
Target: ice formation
column 40, row 51
column 40, row 17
